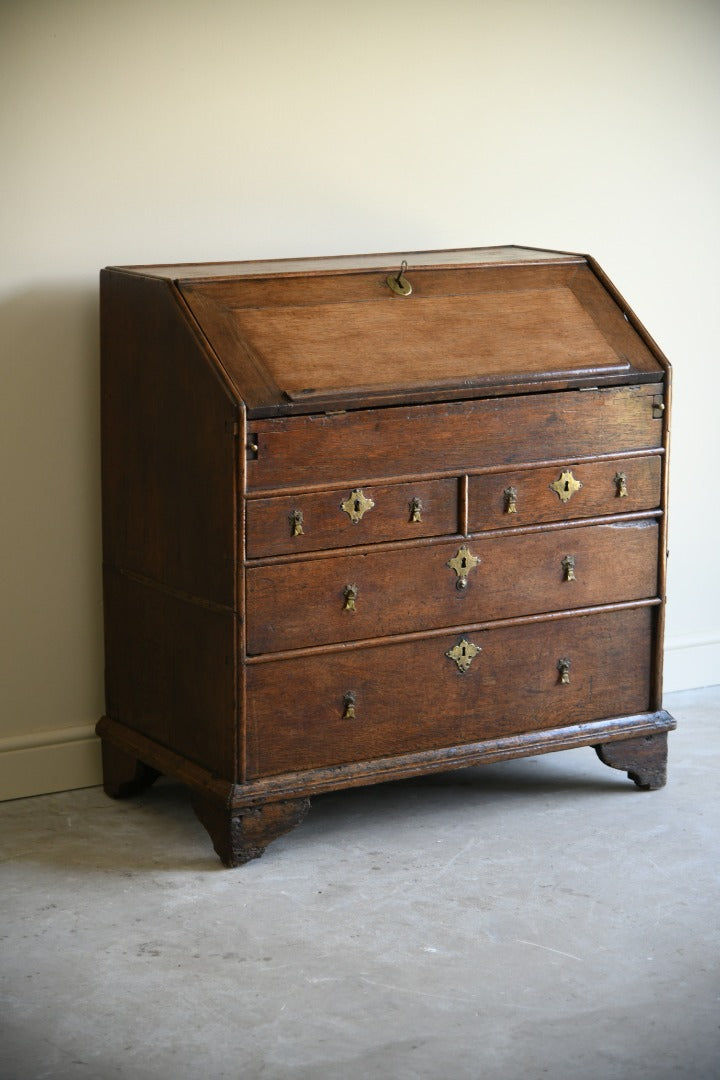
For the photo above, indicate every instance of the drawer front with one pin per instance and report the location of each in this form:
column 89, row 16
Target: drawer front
column 404, row 697
column 528, row 496
column 404, row 590
column 344, row 518
column 308, row 451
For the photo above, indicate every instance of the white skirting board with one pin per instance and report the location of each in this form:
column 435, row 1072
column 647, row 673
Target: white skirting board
column 60, row 760
column 48, row 761
column 691, row 662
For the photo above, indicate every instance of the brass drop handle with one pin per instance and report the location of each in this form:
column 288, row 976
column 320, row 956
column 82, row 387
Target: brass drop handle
column 416, row 507
column 620, row 480
column 510, row 494
column 296, row 523
column 349, row 706
column 568, row 565
column 563, row 666
column 350, row 593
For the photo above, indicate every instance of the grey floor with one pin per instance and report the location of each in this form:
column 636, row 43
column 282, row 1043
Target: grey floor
column 532, row 919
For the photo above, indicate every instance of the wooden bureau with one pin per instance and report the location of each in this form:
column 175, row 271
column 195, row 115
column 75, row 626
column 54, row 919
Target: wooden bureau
column 365, row 520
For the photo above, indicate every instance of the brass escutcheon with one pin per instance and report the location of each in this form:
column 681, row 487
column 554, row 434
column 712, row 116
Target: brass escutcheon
column 398, row 282
column 356, row 505
column 462, row 564
column 566, row 485
column 463, row 654
column 620, row 481
column 510, row 494
column 416, row 509
column 350, row 593
column 349, row 706
column 296, row 523
column 563, row 666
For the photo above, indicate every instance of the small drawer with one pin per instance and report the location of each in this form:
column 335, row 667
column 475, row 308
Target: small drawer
column 529, row 496
column 345, row 518
column 403, row 697
column 340, row 598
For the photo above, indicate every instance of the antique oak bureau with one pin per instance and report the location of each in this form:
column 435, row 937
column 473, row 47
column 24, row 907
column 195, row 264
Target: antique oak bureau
column 370, row 517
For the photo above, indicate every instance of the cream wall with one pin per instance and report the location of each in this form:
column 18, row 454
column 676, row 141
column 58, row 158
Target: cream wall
column 159, row 130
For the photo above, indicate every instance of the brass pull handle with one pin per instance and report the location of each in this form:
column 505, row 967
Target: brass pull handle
column 296, row 523
column 620, row 481
column 568, row 565
column 350, row 593
column 416, row 509
column 463, row 654
column 462, row 564
column 563, row 666
column 349, row 706
column 356, row 505
column 510, row 494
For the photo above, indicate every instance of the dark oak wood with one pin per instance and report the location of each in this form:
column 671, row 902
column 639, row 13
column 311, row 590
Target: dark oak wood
column 643, row 759
column 535, row 501
column 258, row 792
column 409, row 695
column 398, row 591
column 454, row 437
column 262, row 647
column 241, row 835
column 326, row 526
column 124, row 774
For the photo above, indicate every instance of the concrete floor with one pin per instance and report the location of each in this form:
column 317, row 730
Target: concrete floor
column 532, row 919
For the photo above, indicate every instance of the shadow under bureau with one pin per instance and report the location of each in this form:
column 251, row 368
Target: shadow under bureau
column 370, row 517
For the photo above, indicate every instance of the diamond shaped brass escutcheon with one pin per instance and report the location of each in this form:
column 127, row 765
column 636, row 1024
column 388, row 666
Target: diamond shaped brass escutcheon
column 463, row 654
column 566, row 485
column 356, row 505
column 462, row 564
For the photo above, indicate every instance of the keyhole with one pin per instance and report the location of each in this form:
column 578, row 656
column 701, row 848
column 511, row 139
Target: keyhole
column 567, row 485
column 464, row 650
column 357, row 506
column 463, row 564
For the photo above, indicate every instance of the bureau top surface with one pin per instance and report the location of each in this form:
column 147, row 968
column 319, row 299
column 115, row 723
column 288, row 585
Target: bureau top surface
column 308, row 335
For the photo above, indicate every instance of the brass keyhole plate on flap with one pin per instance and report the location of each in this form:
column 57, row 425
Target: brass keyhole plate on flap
column 566, row 485
column 463, row 654
column 462, row 564
column 356, row 505
column 398, row 282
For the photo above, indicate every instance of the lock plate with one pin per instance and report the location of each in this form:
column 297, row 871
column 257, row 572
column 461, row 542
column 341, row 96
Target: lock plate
column 462, row 564
column 566, row 485
column 463, row 654
column 356, row 505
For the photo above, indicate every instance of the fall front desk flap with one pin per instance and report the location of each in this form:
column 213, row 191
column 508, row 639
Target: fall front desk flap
column 321, row 334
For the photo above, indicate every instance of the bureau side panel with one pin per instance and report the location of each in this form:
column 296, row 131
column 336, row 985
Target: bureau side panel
column 170, row 671
column 170, row 474
column 169, row 444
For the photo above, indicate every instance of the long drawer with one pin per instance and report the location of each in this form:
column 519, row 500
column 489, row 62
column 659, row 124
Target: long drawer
column 311, row 451
column 407, row 589
column 400, row 697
